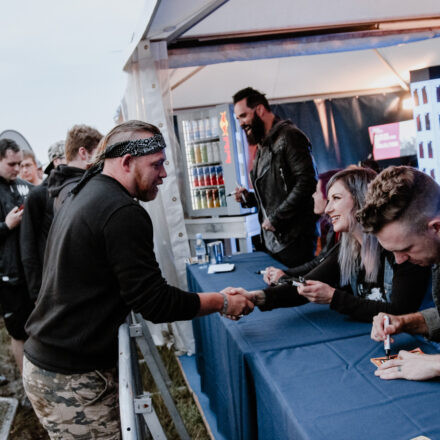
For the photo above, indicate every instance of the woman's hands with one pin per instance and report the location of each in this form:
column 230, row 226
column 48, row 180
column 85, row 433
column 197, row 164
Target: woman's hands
column 317, row 292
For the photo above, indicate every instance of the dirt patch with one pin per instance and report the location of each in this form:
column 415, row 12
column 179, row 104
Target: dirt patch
column 26, row 425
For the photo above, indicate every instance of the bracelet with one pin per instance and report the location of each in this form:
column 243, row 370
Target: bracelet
column 225, row 303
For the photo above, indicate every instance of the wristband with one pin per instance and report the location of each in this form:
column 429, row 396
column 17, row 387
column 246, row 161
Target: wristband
column 225, row 303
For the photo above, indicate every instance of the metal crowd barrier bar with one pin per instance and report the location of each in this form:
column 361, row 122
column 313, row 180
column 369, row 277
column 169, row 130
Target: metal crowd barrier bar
column 136, row 405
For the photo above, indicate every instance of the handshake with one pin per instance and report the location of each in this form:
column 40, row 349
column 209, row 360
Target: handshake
column 241, row 302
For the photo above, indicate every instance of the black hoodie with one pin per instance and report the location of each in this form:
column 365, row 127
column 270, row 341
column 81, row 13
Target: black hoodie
column 12, row 194
column 37, row 219
column 61, row 180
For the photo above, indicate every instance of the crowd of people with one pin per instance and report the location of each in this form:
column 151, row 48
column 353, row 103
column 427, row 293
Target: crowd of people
column 77, row 255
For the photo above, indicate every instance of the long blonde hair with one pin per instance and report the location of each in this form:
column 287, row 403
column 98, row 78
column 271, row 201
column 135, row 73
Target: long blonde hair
column 352, row 256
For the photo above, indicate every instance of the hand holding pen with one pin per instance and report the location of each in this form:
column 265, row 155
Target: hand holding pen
column 239, row 193
column 386, row 342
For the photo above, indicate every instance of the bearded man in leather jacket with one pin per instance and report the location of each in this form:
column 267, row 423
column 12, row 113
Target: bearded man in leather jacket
column 284, row 178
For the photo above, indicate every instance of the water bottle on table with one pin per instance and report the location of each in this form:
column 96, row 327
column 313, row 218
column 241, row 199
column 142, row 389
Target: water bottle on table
column 200, row 251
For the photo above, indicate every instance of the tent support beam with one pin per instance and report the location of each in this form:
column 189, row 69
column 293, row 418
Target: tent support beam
column 187, row 77
column 401, row 81
column 195, row 19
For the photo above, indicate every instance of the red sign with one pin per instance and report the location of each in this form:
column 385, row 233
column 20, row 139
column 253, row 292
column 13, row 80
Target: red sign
column 225, row 136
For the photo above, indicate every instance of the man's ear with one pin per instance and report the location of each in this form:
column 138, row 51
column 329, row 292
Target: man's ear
column 434, row 225
column 126, row 162
column 260, row 109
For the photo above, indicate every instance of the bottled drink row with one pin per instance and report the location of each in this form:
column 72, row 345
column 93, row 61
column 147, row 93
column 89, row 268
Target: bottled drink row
column 207, row 176
column 208, row 152
column 209, row 198
column 197, row 129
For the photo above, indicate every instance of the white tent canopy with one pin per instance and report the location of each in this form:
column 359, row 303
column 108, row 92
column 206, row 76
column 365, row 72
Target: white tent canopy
column 193, row 53
column 396, row 37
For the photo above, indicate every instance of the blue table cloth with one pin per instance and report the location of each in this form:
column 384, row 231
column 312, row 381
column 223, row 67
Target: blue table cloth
column 234, row 358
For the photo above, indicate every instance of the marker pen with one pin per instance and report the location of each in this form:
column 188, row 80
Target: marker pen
column 261, row 272
column 386, row 343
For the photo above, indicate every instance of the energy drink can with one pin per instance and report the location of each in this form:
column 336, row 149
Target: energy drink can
column 215, row 252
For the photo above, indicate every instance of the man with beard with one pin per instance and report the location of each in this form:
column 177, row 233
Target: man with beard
column 99, row 265
column 284, row 178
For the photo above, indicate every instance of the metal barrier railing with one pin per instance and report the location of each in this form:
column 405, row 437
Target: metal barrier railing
column 138, row 417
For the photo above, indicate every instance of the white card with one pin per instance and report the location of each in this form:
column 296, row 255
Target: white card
column 225, row 267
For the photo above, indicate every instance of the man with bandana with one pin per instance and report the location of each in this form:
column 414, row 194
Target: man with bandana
column 284, row 178
column 99, row 265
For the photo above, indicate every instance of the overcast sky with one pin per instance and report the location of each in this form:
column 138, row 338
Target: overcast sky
column 61, row 64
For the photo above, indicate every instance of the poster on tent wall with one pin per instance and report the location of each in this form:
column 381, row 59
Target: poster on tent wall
column 393, row 140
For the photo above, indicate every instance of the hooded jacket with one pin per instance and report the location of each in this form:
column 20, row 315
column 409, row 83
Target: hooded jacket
column 12, row 194
column 37, row 220
column 61, row 180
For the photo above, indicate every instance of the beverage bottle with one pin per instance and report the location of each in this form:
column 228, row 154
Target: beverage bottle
column 197, row 154
column 192, row 154
column 204, row 152
column 200, row 251
column 207, row 176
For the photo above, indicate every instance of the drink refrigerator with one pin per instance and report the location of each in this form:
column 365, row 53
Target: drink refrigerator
column 215, row 157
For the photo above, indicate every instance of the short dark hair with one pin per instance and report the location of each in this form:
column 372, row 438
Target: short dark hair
column 81, row 136
column 400, row 193
column 8, row 144
column 253, row 98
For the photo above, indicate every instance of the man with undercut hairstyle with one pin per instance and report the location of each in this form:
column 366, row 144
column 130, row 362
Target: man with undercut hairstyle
column 403, row 210
column 99, row 265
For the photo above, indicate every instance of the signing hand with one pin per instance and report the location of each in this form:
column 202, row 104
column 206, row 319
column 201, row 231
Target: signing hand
column 317, row 292
column 240, row 194
column 268, row 225
column 272, row 275
column 378, row 332
column 410, row 366
column 13, row 218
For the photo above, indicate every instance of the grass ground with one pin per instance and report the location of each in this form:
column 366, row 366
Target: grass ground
column 27, row 427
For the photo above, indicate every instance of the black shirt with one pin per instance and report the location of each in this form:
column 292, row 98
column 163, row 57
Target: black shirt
column 99, row 264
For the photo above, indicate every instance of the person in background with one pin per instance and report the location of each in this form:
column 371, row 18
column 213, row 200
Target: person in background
column 403, row 210
column 35, row 224
column 14, row 298
column 366, row 276
column 99, row 265
column 81, row 143
column 29, row 168
column 284, row 179
column 328, row 238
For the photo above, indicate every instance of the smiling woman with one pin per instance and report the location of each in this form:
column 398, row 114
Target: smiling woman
column 358, row 278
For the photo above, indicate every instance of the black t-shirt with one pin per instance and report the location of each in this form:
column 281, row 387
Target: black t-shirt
column 99, row 264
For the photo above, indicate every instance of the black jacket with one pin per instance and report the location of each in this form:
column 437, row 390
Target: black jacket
column 60, row 182
column 284, row 179
column 12, row 194
column 407, row 289
column 307, row 267
column 99, row 264
column 34, row 229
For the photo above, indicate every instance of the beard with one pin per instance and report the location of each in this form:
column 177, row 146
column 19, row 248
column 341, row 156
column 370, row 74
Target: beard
column 257, row 132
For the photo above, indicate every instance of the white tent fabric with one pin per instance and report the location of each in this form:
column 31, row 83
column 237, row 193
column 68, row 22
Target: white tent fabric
column 148, row 98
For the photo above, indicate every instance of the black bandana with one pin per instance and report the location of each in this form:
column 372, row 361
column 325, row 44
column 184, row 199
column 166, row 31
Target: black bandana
column 136, row 148
column 139, row 147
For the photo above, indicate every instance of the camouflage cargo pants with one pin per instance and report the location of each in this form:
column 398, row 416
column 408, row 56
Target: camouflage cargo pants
column 76, row 406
